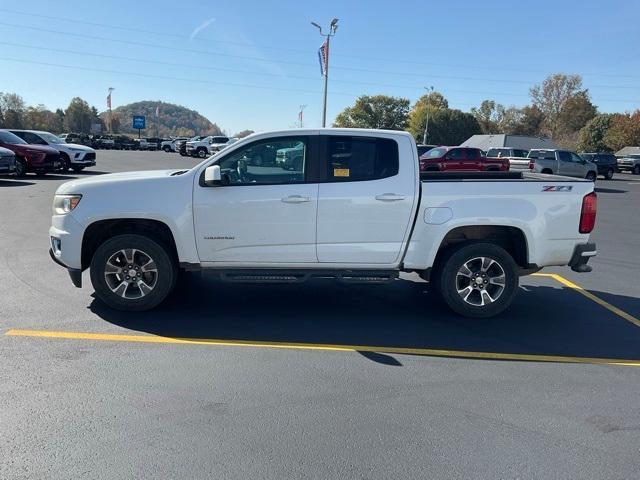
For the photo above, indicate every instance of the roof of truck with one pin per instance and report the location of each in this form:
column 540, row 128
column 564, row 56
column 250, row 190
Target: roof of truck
column 502, row 140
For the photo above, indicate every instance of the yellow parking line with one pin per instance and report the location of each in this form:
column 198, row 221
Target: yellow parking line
column 591, row 296
column 315, row 346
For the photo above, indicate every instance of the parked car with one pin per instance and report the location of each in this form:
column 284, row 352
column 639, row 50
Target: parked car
column 39, row 159
column 103, row 142
column 357, row 214
column 460, row 158
column 517, row 157
column 153, row 143
column 629, row 163
column 78, row 138
column 72, row 156
column 291, row 157
column 170, row 145
column 122, row 142
column 606, row 163
column 144, row 144
column 7, row 161
column 422, row 149
column 561, row 162
column 205, row 146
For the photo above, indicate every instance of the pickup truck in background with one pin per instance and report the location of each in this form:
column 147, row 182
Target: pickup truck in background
column 517, row 157
column 630, row 163
column 442, row 159
column 561, row 162
column 204, row 147
column 356, row 209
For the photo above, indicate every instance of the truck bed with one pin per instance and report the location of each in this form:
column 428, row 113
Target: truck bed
column 517, row 176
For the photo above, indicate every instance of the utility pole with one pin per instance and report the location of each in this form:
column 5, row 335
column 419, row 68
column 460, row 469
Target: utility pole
column 425, row 136
column 301, row 114
column 324, row 62
column 111, row 89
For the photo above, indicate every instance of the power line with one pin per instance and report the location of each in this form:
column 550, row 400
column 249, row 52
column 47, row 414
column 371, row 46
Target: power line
column 283, row 62
column 284, row 49
column 297, row 77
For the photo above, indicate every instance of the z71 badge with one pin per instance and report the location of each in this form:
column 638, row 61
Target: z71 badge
column 557, row 188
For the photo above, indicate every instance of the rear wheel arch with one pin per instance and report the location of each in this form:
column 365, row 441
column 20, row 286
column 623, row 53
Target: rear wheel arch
column 100, row 231
column 512, row 239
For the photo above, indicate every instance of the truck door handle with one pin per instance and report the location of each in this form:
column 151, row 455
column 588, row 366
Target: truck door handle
column 389, row 197
column 295, row 199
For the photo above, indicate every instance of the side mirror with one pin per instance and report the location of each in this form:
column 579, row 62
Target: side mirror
column 212, row 176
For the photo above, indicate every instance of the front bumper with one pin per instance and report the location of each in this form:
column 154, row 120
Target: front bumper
column 580, row 258
column 74, row 273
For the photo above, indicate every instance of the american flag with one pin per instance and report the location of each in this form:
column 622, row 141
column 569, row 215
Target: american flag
column 323, row 57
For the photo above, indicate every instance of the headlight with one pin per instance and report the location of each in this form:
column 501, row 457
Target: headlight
column 63, row 204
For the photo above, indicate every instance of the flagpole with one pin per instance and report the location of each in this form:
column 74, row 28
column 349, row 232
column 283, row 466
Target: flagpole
column 332, row 31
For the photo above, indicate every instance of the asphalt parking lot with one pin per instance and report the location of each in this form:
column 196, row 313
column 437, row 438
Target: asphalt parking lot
column 316, row 380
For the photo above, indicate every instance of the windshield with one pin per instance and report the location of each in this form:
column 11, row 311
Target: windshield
column 50, row 137
column 8, row 137
column 435, row 153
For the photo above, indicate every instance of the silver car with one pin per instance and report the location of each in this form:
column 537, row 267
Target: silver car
column 7, row 161
column 561, row 162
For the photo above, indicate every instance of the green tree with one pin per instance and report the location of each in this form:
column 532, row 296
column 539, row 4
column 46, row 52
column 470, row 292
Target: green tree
column 448, row 127
column 624, row 131
column 39, row 118
column 592, row 136
column 423, row 108
column 378, row 111
column 12, row 109
column 490, row 116
column 78, row 116
column 551, row 97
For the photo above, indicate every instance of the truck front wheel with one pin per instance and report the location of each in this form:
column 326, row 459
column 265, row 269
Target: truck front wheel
column 132, row 272
column 477, row 280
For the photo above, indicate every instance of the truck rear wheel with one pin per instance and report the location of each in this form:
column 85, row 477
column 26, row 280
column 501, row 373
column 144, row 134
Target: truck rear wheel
column 477, row 280
column 132, row 272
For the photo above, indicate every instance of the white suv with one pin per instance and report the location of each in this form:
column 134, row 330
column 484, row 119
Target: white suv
column 73, row 156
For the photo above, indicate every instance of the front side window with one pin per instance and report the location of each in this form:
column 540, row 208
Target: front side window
column 564, row 156
column 435, row 153
column 10, row 138
column 275, row 161
column 360, row 158
column 454, row 154
column 575, row 158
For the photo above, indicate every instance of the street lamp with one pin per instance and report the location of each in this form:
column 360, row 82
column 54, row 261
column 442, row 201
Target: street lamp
column 333, row 26
column 425, row 135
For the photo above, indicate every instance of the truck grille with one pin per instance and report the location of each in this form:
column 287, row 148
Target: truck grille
column 90, row 156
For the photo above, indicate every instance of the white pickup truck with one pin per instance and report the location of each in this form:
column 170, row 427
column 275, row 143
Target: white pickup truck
column 356, row 208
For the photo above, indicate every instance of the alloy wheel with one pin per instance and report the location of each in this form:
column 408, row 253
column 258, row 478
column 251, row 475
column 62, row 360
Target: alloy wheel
column 131, row 273
column 480, row 281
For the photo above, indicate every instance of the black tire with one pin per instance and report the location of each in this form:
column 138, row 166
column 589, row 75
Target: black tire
column 609, row 174
column 636, row 170
column 546, row 171
column 591, row 176
column 21, row 167
column 65, row 161
column 202, row 152
column 449, row 281
column 163, row 280
column 166, row 148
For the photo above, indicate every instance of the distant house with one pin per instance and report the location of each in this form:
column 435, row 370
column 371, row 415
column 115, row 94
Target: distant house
column 485, row 142
column 626, row 151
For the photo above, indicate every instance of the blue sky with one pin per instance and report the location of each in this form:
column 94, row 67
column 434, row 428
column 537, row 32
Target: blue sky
column 251, row 63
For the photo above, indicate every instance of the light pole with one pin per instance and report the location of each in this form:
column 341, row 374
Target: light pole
column 425, row 135
column 301, row 114
column 324, row 59
column 110, row 90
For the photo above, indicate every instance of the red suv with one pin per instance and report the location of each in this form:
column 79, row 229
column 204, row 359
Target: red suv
column 442, row 159
column 30, row 158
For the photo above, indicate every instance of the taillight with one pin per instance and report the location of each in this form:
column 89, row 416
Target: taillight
column 588, row 213
column 531, row 164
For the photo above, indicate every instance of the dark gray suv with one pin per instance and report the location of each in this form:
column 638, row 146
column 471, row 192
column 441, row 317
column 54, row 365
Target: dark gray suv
column 607, row 163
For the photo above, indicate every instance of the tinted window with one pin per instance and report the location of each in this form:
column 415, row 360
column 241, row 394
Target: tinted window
column 8, row 137
column 454, row 154
column 564, row 156
column 361, row 158
column 520, row 153
column 422, row 149
column 575, row 158
column 542, row 154
column 588, row 156
column 498, row 152
column 275, row 161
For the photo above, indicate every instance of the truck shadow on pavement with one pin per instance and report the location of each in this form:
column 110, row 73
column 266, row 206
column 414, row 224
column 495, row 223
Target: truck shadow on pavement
column 544, row 320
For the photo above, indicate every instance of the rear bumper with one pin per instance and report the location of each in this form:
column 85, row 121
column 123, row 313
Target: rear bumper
column 580, row 258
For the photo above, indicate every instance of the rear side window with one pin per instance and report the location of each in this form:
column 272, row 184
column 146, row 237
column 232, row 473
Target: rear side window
column 352, row 159
column 498, row 152
column 542, row 154
column 520, row 153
